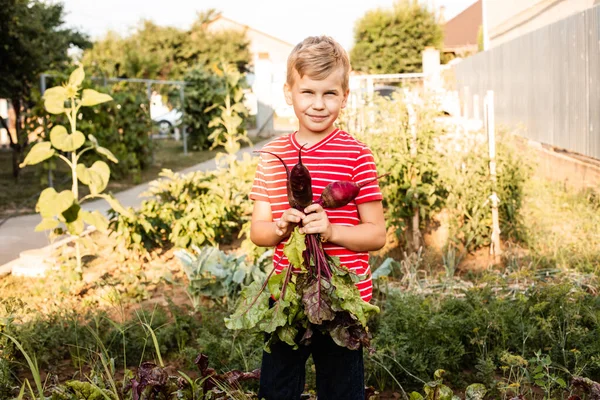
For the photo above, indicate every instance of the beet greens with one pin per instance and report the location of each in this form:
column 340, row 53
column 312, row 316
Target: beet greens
column 322, row 295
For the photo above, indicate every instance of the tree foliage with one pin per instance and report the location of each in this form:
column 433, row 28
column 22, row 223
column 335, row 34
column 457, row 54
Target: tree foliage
column 391, row 41
column 33, row 40
column 157, row 52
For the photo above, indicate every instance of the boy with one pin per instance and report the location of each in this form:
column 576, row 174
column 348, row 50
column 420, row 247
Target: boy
column 317, row 88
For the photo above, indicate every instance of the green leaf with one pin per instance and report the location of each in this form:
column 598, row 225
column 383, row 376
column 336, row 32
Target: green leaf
column 116, row 205
column 76, row 77
column 350, row 299
column 38, row 153
column 93, row 140
column 107, row 153
column 62, row 140
column 415, row 396
column 96, row 177
column 316, row 297
column 47, row 224
column 476, row 391
column 275, row 316
column 54, row 100
column 96, row 219
column 274, row 285
column 51, row 204
column 294, row 248
column 247, row 316
column 561, row 382
column 76, row 227
column 287, row 334
column 91, row 97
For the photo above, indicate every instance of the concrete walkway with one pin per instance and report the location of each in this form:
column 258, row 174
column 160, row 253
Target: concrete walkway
column 17, row 234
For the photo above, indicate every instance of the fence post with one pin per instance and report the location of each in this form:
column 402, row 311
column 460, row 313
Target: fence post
column 183, row 127
column 412, row 126
column 476, row 107
column 495, row 248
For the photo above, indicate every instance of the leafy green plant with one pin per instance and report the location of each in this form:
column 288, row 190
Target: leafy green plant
column 213, row 106
column 64, row 207
column 216, row 275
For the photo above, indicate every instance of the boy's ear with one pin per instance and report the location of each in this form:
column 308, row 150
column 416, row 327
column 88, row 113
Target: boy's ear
column 287, row 92
column 345, row 100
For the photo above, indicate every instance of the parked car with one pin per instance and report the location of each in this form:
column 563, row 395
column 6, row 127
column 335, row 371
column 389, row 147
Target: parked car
column 165, row 118
column 168, row 121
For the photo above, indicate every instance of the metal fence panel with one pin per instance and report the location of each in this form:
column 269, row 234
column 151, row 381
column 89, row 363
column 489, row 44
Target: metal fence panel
column 547, row 82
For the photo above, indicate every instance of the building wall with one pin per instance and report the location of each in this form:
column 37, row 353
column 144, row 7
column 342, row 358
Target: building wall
column 261, row 44
column 509, row 19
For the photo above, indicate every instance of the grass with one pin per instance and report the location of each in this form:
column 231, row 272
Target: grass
column 563, row 226
column 19, row 198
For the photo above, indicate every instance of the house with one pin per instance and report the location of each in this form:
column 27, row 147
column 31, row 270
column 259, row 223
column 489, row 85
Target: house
column 269, row 62
column 461, row 33
column 509, row 19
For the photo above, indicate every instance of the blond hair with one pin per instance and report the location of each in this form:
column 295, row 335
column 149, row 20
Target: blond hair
column 317, row 57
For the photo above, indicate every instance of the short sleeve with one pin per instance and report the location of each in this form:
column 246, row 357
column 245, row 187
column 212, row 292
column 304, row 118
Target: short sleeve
column 259, row 186
column 366, row 171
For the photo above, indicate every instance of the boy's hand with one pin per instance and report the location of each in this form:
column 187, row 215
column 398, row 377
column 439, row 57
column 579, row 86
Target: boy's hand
column 316, row 221
column 289, row 219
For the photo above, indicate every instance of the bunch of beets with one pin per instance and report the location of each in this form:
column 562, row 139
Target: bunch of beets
column 320, row 294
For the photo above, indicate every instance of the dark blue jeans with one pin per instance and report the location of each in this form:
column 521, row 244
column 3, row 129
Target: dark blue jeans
column 340, row 371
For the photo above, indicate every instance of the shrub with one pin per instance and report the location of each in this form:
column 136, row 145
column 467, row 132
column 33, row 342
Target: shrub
column 206, row 88
column 124, row 127
column 474, row 333
column 194, row 209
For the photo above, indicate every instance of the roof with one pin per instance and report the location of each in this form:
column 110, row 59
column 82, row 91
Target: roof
column 246, row 28
column 463, row 29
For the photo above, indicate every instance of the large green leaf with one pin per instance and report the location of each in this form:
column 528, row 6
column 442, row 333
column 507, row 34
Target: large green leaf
column 47, row 224
column 116, row 205
column 252, row 308
column 107, row 153
column 275, row 316
column 38, row 153
column 91, row 97
column 95, row 219
column 62, row 140
column 51, row 204
column 96, row 177
column 54, row 100
column 76, row 77
column 350, row 299
column 475, row 391
column 294, row 248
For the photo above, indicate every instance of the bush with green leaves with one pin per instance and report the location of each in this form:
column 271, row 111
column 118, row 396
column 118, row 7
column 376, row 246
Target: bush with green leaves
column 124, row 127
column 446, row 170
column 198, row 208
column 216, row 275
column 469, row 337
column 206, row 89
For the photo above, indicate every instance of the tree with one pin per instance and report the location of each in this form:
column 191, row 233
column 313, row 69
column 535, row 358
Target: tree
column 32, row 41
column 391, row 41
column 157, row 52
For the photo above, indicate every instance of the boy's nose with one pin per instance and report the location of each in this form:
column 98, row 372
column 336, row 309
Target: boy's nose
column 318, row 104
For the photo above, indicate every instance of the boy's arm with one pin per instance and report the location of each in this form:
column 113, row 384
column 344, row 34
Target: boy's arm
column 369, row 235
column 267, row 233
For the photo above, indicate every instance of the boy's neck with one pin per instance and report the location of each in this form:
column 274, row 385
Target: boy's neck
column 311, row 138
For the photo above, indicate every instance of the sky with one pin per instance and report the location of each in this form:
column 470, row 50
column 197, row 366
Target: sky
column 290, row 21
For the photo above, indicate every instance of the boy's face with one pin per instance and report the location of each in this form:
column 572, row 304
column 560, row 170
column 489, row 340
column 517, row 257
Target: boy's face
column 317, row 104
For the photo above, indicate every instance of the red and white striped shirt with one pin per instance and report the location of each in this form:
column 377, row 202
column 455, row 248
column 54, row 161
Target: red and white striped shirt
column 337, row 157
